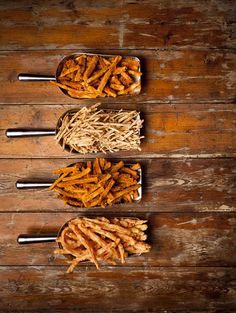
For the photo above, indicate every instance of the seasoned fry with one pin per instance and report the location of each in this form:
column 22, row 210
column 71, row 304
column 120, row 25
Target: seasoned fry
column 108, row 76
column 97, row 183
column 101, row 239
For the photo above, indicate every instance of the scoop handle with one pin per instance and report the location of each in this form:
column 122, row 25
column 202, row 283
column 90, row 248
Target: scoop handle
column 29, row 185
column 27, row 239
column 22, row 132
column 34, row 77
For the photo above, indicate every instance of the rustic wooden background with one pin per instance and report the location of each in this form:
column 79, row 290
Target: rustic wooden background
column 187, row 49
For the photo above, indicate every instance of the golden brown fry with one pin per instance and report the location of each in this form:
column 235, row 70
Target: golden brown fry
column 108, row 73
column 90, row 67
column 97, row 183
column 101, row 239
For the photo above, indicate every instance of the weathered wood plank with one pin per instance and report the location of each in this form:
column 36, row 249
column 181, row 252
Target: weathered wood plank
column 169, row 131
column 119, row 290
column 185, row 239
column 169, row 76
column 168, row 185
column 124, row 24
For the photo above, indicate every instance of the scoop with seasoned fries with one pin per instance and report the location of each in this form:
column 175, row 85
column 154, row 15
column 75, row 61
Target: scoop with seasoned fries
column 98, row 183
column 91, row 76
column 102, row 240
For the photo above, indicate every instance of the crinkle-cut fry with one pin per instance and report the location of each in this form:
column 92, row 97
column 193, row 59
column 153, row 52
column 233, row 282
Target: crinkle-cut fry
column 108, row 73
column 79, row 175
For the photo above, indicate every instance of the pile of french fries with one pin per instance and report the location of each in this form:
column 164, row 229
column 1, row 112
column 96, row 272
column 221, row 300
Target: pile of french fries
column 92, row 130
column 102, row 239
column 92, row 76
column 98, row 183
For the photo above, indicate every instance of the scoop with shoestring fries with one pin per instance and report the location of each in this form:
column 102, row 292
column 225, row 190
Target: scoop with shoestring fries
column 92, row 130
column 99, row 183
column 90, row 75
column 97, row 240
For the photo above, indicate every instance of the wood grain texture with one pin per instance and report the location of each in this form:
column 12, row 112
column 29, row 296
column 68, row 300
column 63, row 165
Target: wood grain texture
column 123, row 24
column 118, row 290
column 177, row 239
column 168, row 76
column 187, row 52
column 168, row 186
column 176, row 131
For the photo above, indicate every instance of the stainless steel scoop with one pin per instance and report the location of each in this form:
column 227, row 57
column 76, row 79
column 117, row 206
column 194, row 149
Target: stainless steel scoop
column 39, row 78
column 40, row 238
column 22, row 184
column 28, row 132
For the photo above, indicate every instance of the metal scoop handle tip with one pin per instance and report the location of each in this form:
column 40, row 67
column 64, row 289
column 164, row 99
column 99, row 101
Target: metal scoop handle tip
column 28, row 239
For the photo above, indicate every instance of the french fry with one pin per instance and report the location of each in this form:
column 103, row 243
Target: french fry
column 101, row 240
column 97, row 183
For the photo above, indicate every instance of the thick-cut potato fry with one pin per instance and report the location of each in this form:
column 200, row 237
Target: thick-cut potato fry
column 97, row 183
column 101, row 239
column 80, row 73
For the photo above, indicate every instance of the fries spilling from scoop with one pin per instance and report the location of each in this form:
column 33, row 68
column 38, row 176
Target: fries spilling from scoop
column 91, row 76
column 98, row 183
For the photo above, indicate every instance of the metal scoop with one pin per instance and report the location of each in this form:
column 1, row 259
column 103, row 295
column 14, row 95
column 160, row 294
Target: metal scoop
column 25, row 132
column 39, row 78
column 41, row 238
column 32, row 184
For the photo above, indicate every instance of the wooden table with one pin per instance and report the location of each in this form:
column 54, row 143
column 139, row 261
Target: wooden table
column 187, row 49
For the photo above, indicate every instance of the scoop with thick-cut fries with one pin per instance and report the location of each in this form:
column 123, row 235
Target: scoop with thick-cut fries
column 98, row 183
column 92, row 76
column 102, row 240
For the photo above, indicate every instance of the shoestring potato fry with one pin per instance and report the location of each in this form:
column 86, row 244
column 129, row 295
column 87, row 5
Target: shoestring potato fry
column 93, row 130
column 102, row 240
column 90, row 76
column 98, row 183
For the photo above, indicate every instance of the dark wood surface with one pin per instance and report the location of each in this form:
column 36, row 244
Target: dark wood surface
column 187, row 52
